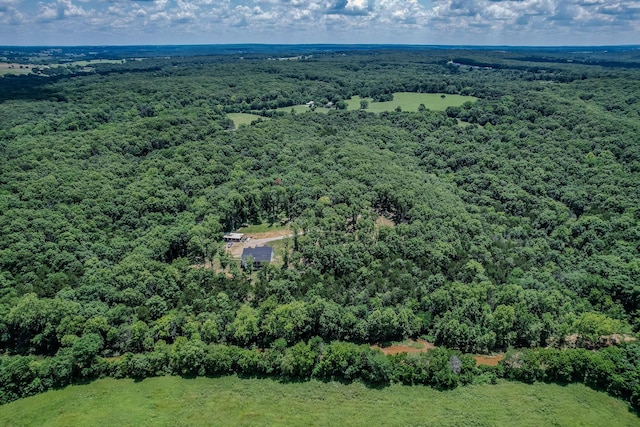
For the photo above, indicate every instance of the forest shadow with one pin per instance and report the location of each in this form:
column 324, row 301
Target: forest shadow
column 31, row 88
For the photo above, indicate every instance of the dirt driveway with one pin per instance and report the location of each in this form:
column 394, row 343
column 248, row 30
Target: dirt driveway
column 258, row 239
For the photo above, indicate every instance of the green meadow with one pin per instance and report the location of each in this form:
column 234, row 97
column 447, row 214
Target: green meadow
column 409, row 101
column 265, row 227
column 15, row 69
column 243, row 118
column 230, row 401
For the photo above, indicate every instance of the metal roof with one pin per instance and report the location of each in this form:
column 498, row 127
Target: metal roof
column 259, row 254
column 234, row 235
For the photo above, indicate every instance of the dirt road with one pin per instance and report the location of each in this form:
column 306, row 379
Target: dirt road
column 258, row 239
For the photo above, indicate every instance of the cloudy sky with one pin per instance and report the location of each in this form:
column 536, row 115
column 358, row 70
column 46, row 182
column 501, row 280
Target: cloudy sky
column 475, row 22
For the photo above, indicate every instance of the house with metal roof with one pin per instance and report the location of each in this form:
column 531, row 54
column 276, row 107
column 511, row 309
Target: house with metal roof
column 259, row 256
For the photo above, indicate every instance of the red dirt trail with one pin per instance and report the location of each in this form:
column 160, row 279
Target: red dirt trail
column 421, row 346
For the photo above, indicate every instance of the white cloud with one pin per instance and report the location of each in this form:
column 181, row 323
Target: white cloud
column 432, row 21
column 9, row 12
column 60, row 10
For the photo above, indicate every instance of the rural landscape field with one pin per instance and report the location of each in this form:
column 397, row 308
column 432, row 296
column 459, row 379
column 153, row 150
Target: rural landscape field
column 300, row 235
column 229, row 401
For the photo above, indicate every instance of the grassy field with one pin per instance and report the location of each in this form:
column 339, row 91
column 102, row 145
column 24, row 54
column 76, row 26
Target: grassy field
column 243, row 118
column 87, row 63
column 279, row 248
column 409, row 101
column 97, row 61
column 14, row 69
column 229, row 401
column 265, row 227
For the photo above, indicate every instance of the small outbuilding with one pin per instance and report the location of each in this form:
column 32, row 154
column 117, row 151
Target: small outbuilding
column 233, row 237
column 261, row 256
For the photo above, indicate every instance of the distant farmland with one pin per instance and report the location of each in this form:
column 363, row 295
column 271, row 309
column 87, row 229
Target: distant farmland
column 407, row 101
column 14, row 68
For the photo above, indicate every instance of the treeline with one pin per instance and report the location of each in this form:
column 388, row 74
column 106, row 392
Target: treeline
column 455, row 318
column 614, row 369
column 342, row 361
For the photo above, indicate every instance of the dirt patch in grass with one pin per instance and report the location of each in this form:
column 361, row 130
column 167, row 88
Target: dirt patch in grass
column 421, row 346
column 408, row 346
column 488, row 360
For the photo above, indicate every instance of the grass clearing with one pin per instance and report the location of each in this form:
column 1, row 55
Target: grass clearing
column 410, row 101
column 280, row 247
column 230, row 401
column 240, row 119
column 265, row 227
column 407, row 101
column 15, row 68
column 97, row 61
column 87, row 63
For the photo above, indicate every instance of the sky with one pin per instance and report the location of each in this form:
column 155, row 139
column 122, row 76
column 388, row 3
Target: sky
column 439, row 22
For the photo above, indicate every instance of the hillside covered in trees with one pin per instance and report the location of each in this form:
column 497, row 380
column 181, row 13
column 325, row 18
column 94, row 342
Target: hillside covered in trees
column 511, row 222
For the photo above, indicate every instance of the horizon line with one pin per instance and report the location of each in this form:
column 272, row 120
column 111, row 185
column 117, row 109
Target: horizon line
column 329, row 44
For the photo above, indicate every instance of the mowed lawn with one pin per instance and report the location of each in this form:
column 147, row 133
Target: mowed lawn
column 410, row 101
column 230, row 401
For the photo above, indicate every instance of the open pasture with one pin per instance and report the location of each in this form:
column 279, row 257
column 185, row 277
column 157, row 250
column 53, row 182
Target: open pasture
column 15, row 69
column 409, row 101
column 230, row 401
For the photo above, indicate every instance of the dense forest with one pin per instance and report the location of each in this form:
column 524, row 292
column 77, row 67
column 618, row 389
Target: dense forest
column 508, row 223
